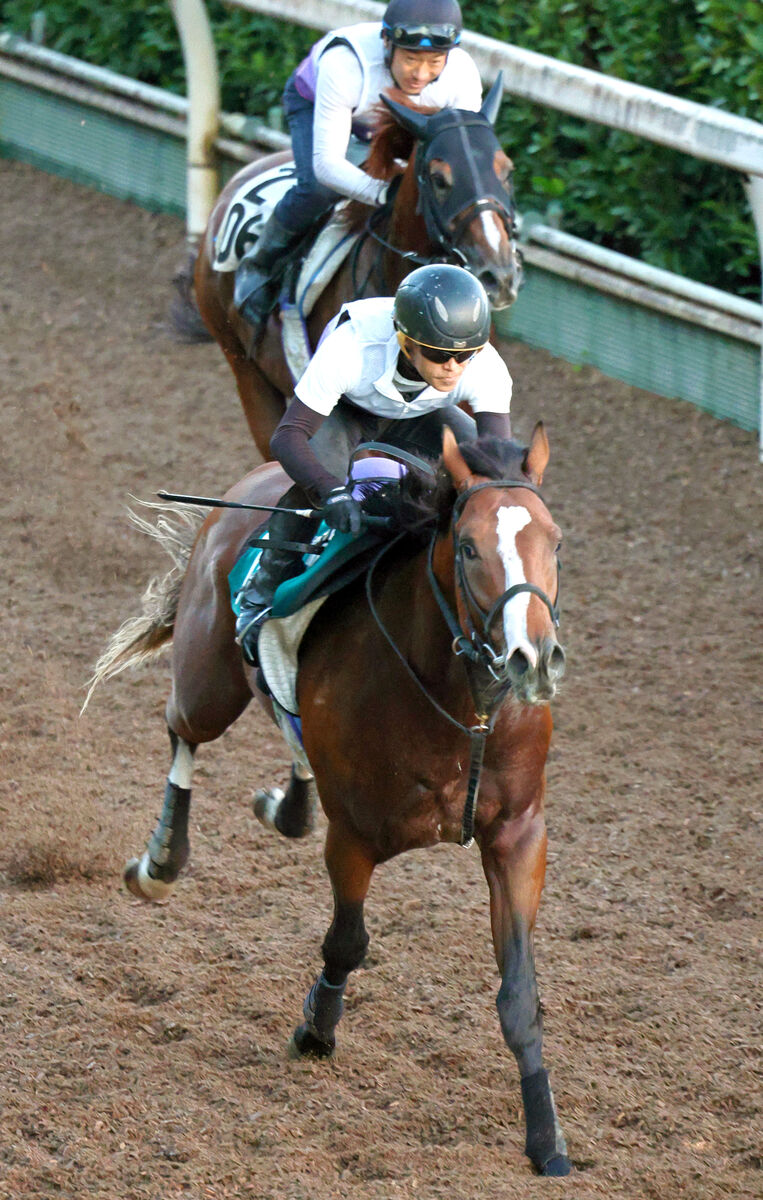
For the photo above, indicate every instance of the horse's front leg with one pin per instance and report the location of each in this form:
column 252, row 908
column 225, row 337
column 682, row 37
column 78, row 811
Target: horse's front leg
column 350, row 868
column 153, row 875
column 514, row 861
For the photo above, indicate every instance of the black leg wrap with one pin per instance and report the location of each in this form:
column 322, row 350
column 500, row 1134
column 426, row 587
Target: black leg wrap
column 545, row 1145
column 168, row 847
column 345, row 944
column 323, row 1008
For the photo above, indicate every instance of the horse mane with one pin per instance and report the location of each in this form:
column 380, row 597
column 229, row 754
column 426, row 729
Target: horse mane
column 390, row 143
column 420, row 503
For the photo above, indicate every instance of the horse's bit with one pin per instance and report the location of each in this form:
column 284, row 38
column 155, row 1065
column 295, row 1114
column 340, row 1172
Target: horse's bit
column 475, row 647
column 476, row 650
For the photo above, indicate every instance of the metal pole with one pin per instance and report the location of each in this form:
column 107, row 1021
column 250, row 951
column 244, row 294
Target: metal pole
column 203, row 88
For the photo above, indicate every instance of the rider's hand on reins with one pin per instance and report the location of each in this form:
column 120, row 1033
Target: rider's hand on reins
column 342, row 511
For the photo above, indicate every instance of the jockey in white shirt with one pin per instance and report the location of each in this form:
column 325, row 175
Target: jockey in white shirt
column 331, row 96
column 389, row 369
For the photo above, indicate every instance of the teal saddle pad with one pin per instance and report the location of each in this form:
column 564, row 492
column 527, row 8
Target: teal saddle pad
column 345, row 557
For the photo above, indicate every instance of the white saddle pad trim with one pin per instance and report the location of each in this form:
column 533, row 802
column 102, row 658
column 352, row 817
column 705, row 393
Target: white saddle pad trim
column 277, row 649
column 326, row 256
column 248, row 210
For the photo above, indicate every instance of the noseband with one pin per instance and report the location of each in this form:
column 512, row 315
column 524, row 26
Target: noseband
column 446, row 223
column 473, row 645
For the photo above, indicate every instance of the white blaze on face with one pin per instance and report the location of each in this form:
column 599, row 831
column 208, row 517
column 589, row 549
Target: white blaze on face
column 492, row 233
column 510, row 521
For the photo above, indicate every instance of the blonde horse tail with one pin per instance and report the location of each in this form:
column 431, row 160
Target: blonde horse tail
column 139, row 639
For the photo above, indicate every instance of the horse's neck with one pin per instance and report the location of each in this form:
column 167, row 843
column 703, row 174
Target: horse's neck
column 407, row 230
column 412, row 617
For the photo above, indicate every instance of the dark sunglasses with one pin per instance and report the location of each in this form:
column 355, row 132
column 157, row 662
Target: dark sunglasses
column 443, row 356
column 435, row 37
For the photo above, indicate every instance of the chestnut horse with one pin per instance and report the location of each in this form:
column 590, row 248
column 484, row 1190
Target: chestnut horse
column 453, row 203
column 448, row 649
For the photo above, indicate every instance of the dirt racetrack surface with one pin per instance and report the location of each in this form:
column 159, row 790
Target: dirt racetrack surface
column 143, row 1049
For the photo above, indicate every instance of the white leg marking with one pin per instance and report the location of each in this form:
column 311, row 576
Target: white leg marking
column 181, row 770
column 510, row 520
column 492, row 234
column 266, row 806
column 155, row 889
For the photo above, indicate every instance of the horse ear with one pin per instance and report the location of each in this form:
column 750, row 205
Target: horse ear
column 415, row 122
column 537, row 454
column 492, row 102
column 453, row 460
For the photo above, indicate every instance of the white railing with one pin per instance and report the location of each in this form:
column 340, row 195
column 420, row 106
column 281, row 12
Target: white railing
column 153, row 107
column 695, row 129
column 692, row 128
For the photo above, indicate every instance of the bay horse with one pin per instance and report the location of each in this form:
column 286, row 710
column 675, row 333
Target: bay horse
column 441, row 667
column 452, row 202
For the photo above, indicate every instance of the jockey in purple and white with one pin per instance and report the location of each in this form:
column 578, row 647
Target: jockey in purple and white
column 330, row 97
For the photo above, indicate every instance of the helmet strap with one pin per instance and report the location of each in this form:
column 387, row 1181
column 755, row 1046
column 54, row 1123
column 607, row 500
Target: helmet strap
column 404, row 362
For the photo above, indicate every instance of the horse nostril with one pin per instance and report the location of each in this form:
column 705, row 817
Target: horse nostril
column 489, row 281
column 518, row 664
column 556, row 661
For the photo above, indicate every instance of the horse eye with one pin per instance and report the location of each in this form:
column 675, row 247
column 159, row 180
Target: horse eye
column 468, row 551
column 439, row 182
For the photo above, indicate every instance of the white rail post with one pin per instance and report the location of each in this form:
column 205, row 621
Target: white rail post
column 203, row 90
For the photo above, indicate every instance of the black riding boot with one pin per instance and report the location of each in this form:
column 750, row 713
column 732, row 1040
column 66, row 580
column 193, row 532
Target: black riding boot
column 276, row 564
column 259, row 273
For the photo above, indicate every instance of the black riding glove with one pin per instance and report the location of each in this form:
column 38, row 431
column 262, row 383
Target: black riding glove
column 341, row 511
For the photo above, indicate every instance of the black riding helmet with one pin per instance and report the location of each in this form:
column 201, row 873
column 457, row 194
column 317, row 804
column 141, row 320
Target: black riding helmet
column 423, row 24
column 444, row 307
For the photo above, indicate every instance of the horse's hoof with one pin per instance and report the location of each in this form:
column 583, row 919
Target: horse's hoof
column 558, row 1165
column 266, row 805
column 305, row 1044
column 139, row 883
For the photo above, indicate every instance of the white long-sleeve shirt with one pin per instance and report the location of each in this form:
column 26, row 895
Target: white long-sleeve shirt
column 344, row 74
column 357, row 359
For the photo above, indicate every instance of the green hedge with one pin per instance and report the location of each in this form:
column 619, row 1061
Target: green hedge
column 667, row 208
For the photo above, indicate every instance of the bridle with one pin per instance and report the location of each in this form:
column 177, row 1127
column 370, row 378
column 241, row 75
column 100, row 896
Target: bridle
column 472, row 646
column 447, row 223
column 476, row 645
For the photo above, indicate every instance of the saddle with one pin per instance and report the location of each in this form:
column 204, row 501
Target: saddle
column 313, row 262
column 342, row 558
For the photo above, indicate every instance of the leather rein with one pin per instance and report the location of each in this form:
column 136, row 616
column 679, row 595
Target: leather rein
column 471, row 645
